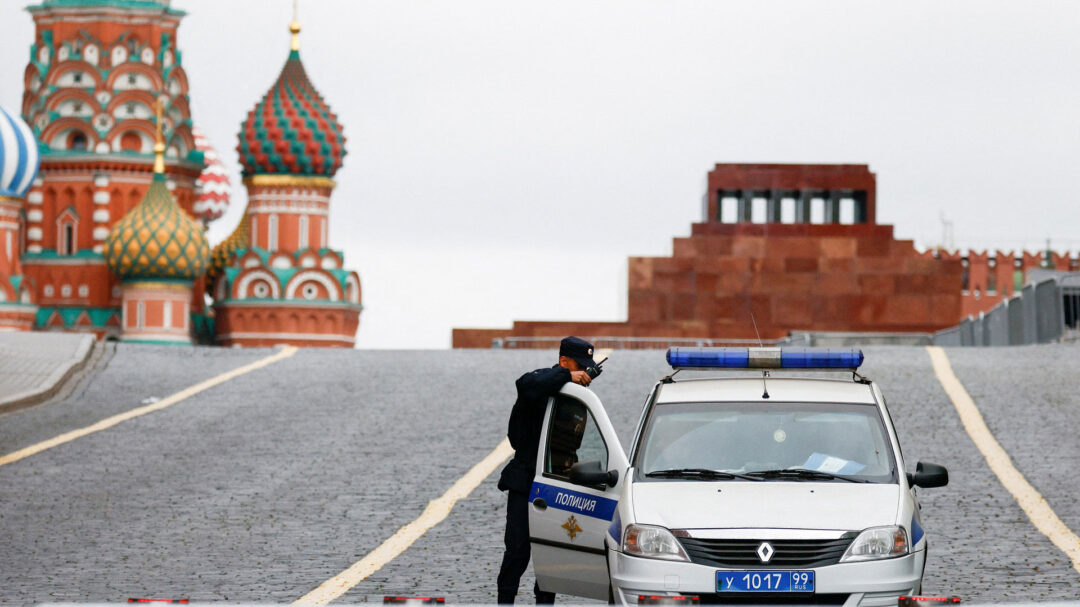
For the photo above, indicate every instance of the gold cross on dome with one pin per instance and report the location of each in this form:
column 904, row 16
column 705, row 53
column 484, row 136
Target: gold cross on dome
column 294, row 26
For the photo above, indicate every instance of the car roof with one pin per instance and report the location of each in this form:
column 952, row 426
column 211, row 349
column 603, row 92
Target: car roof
column 786, row 389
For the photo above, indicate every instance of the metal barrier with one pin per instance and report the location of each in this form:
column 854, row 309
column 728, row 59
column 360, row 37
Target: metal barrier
column 1045, row 312
column 1070, row 307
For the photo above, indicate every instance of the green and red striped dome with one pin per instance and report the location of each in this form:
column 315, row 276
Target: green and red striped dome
column 291, row 130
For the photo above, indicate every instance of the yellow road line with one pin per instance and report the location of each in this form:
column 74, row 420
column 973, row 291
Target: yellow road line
column 109, row 422
column 437, row 510
column 1033, row 503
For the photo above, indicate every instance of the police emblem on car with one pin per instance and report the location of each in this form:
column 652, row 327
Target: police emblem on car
column 571, row 527
column 732, row 486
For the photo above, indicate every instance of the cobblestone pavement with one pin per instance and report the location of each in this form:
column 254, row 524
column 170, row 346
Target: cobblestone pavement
column 260, row 489
column 1030, row 398
column 33, row 363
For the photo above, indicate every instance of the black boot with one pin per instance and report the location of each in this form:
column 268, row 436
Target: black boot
column 543, row 598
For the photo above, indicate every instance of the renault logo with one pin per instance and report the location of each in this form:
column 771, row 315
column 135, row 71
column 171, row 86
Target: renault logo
column 765, row 552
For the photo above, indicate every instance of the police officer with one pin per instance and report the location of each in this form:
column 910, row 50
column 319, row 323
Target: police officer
column 533, row 390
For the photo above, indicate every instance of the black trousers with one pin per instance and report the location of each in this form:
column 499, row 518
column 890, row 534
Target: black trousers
column 516, row 558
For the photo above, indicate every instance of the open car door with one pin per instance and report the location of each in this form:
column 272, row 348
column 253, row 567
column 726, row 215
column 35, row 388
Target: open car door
column 568, row 521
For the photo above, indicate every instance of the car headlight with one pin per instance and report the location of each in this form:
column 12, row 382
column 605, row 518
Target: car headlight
column 877, row 543
column 652, row 542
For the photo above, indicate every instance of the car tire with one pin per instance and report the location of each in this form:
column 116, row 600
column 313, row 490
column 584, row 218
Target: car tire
column 610, row 587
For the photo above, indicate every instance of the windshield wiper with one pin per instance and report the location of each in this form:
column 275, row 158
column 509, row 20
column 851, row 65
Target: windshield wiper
column 699, row 473
column 803, row 473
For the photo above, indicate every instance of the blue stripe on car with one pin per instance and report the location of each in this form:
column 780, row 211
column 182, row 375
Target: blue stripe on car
column 574, row 501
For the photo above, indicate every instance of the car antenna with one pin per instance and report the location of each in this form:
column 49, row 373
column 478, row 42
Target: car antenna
column 764, row 372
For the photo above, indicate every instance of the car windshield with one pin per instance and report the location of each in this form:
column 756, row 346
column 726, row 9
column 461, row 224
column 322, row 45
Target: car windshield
column 766, row 441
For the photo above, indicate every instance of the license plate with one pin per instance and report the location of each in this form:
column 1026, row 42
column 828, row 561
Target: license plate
column 765, row 581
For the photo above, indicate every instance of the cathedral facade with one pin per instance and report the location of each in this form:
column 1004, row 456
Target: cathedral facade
column 106, row 100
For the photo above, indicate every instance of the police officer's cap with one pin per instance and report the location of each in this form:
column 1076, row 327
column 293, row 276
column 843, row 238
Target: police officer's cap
column 579, row 350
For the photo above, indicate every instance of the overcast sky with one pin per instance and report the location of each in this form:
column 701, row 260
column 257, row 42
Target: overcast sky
column 506, row 157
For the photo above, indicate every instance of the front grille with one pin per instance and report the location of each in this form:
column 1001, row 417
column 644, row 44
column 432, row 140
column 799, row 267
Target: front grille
column 742, row 554
column 779, row 598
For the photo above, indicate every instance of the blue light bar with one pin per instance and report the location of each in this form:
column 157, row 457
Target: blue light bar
column 765, row 358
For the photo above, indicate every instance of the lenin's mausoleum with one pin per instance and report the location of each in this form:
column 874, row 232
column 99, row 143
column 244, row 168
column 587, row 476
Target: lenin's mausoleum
column 799, row 249
column 106, row 189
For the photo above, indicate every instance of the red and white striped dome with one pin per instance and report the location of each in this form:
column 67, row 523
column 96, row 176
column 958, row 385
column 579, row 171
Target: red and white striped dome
column 213, row 184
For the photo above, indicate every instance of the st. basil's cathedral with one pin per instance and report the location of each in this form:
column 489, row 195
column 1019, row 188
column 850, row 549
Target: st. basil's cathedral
column 107, row 187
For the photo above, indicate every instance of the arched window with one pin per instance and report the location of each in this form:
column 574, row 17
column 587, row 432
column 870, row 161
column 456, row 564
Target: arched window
column 303, row 232
column 67, row 232
column 77, row 141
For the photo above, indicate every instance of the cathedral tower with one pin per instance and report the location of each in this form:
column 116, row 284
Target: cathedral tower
column 19, row 161
column 158, row 251
column 276, row 280
column 97, row 70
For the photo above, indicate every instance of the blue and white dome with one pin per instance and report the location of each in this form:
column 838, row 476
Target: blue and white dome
column 19, row 158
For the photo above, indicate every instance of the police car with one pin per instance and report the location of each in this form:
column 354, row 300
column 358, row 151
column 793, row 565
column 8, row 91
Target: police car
column 762, row 489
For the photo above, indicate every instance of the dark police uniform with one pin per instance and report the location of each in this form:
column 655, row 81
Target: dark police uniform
column 533, row 391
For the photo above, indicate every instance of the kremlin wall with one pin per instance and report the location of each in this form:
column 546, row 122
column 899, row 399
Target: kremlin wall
column 107, row 187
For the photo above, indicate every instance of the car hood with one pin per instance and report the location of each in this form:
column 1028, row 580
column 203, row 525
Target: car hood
column 767, row 504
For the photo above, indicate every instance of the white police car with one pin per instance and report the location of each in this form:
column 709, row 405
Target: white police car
column 782, row 490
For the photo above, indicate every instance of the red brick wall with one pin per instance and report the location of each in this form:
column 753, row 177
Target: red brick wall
column 789, row 276
column 981, row 294
column 286, row 323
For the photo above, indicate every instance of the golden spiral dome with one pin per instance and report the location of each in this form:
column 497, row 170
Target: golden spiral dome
column 157, row 240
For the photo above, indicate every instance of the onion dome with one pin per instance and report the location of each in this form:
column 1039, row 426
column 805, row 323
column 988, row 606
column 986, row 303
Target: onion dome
column 225, row 251
column 213, row 183
column 156, row 239
column 291, row 130
column 19, row 157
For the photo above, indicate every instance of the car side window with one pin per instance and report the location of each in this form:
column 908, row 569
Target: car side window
column 573, row 437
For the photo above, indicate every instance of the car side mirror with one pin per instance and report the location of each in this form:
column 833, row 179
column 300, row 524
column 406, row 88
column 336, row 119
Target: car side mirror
column 929, row 475
column 591, row 474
